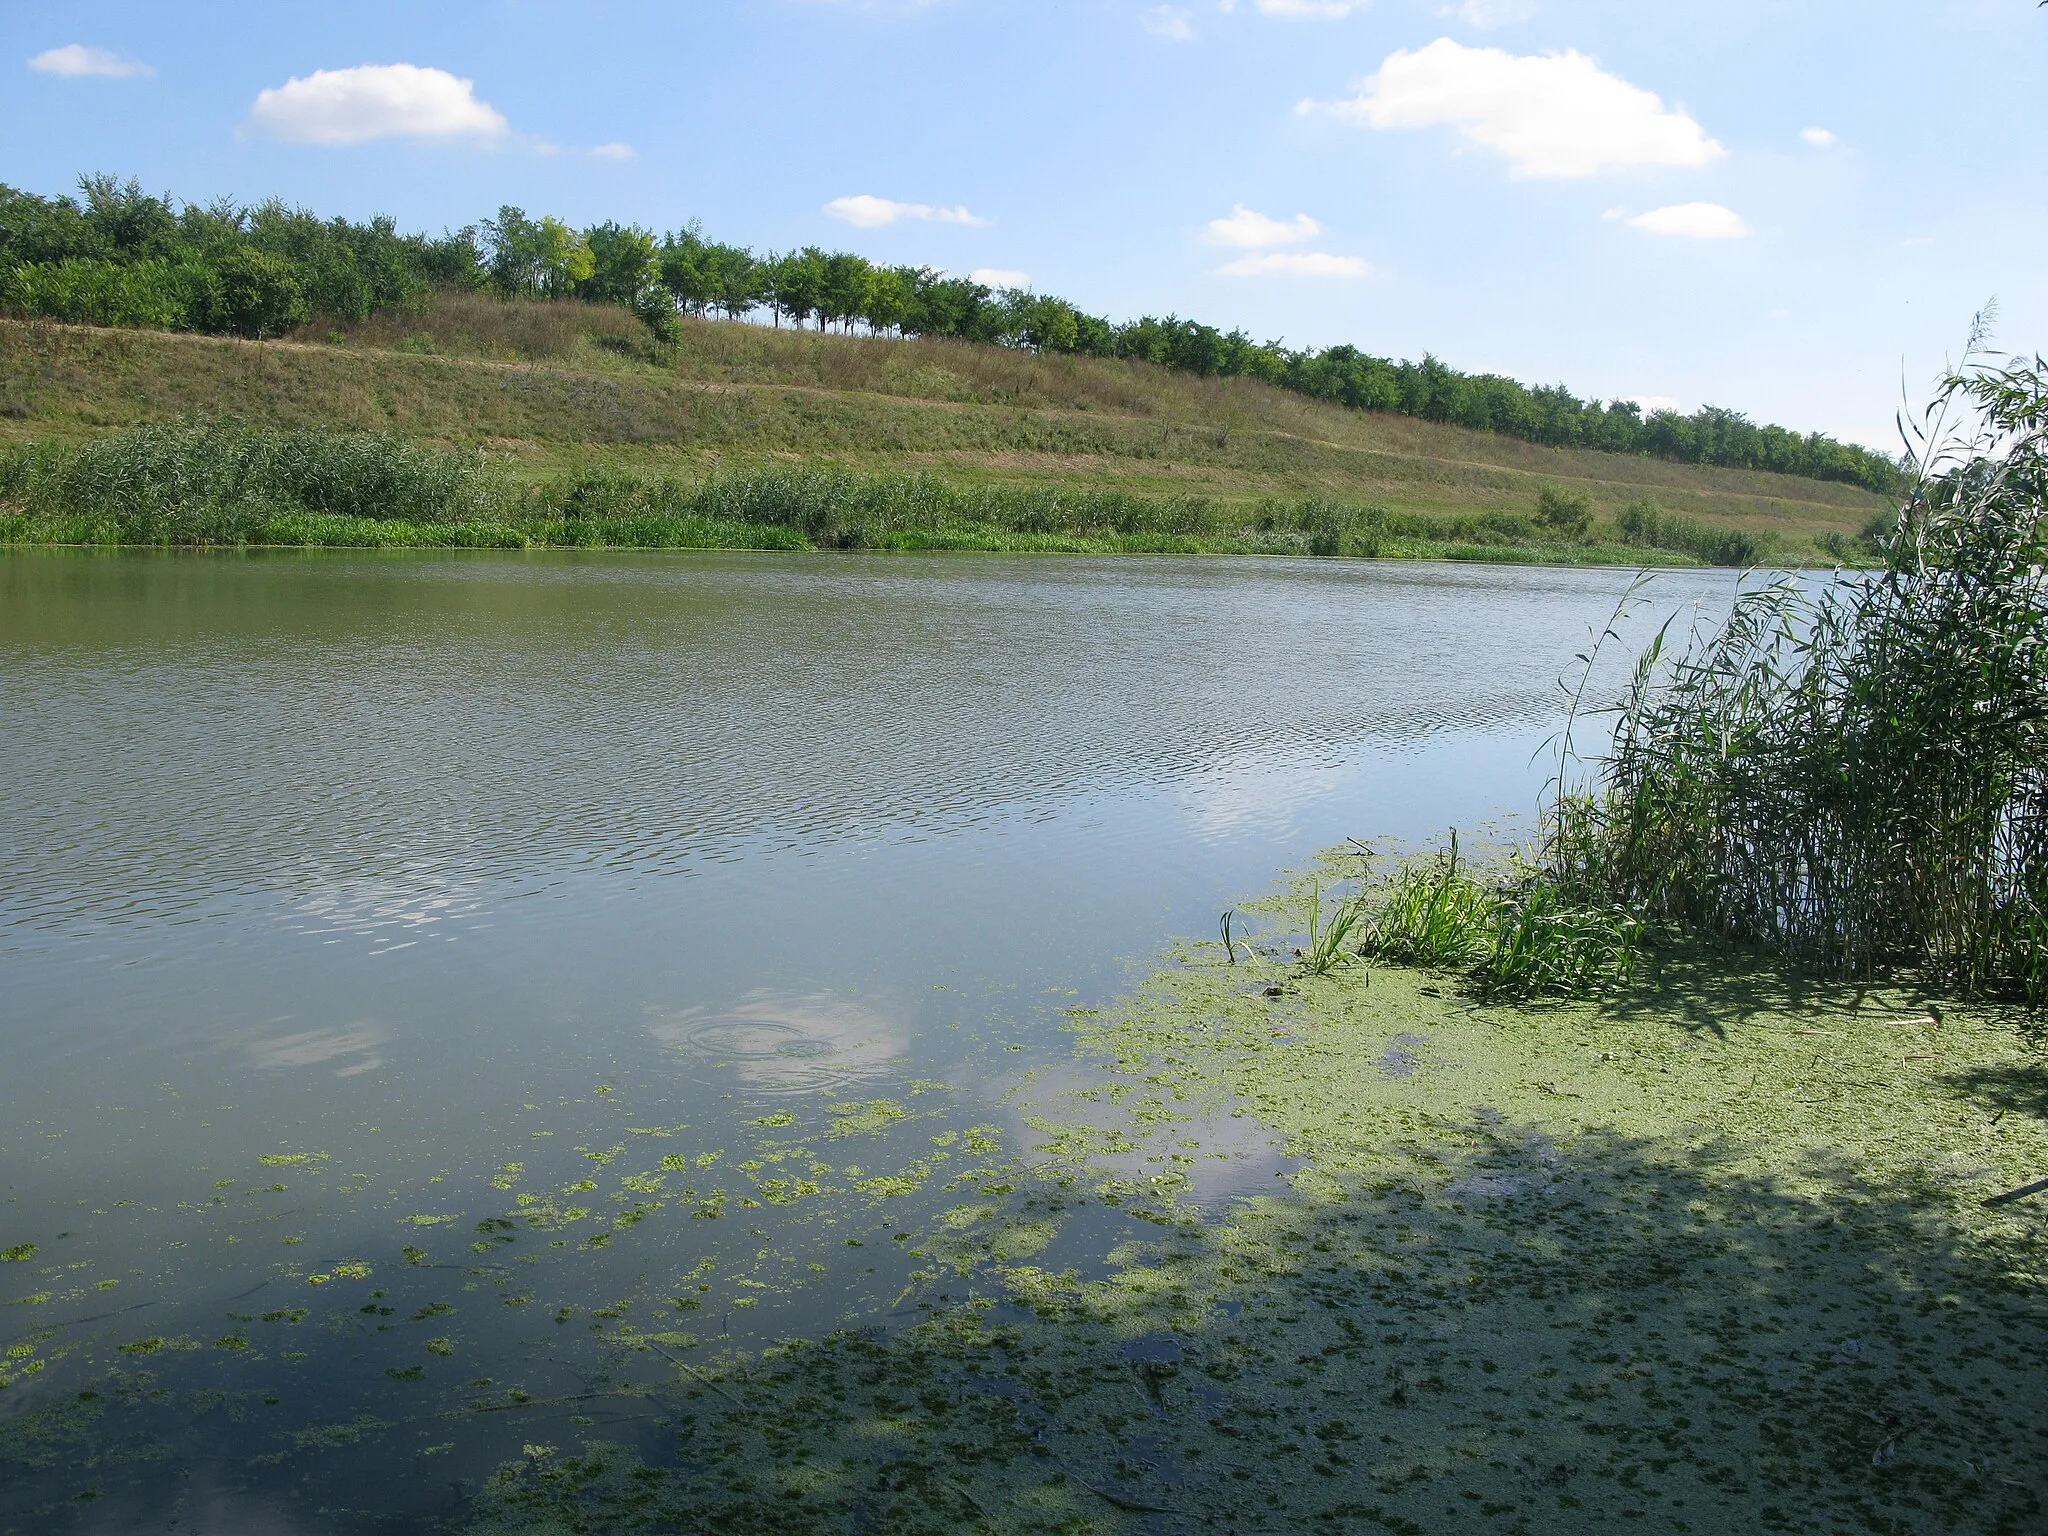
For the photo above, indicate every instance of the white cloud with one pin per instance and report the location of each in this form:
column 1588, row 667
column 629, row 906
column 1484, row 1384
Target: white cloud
column 1485, row 15
column 1552, row 114
column 373, row 101
column 76, row 59
column 1296, row 264
column 1255, row 230
column 613, row 151
column 866, row 212
column 1819, row 138
column 1169, row 21
column 1693, row 221
column 1000, row 277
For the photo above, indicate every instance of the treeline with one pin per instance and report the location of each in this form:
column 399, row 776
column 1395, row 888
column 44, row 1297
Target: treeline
column 117, row 255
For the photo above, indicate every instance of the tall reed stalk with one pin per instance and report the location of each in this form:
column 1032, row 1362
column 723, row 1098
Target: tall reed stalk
column 1856, row 772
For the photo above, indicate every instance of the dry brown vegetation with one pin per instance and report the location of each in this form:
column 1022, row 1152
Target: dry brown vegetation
column 565, row 383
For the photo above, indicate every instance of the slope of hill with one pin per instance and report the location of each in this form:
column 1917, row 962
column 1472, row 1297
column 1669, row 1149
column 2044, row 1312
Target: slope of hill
column 562, row 387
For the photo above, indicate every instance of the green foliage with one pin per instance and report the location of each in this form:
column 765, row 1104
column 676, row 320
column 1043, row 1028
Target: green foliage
column 1541, row 943
column 1330, row 933
column 1568, row 514
column 91, row 291
column 1856, row 773
column 255, row 294
column 543, row 256
column 1646, row 524
column 349, row 271
column 1433, row 914
column 212, row 480
column 1521, row 936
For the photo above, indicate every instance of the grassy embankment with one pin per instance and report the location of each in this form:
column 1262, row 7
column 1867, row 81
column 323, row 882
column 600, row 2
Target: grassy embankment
column 569, row 425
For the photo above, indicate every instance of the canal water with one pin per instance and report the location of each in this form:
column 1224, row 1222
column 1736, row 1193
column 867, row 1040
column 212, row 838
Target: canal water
column 435, row 986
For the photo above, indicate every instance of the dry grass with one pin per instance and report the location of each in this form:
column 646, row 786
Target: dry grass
column 568, row 385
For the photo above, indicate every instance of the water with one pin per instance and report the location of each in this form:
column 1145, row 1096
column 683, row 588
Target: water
column 356, row 909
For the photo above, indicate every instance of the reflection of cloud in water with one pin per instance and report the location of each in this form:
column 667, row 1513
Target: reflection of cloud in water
column 788, row 1042
column 1254, row 794
column 316, row 1047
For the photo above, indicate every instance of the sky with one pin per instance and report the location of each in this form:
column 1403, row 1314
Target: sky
column 1788, row 207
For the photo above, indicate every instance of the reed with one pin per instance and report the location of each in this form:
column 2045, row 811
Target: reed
column 1855, row 773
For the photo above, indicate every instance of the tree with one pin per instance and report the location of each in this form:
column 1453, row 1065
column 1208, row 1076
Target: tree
column 892, row 293
column 737, row 281
column 1568, row 513
column 625, row 261
column 685, row 270
column 843, row 288
column 798, row 284
column 535, row 256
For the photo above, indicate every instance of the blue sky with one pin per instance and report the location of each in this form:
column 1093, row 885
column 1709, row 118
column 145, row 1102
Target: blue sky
column 1783, row 207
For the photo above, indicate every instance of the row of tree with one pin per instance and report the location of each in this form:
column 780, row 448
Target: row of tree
column 117, row 255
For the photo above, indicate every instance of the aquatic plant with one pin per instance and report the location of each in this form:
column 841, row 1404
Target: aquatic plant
column 1514, row 932
column 1434, row 913
column 1330, row 934
column 1856, row 773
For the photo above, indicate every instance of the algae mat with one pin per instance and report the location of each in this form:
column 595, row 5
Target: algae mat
column 1709, row 1257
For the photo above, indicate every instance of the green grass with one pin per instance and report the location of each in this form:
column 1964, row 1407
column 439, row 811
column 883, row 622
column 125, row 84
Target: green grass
column 541, row 393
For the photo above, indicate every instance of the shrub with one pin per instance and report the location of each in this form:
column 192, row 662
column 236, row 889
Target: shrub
column 1567, row 514
column 1640, row 521
column 90, row 292
column 254, row 294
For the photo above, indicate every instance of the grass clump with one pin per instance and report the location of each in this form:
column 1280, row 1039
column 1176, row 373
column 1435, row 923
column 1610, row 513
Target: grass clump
column 1521, row 935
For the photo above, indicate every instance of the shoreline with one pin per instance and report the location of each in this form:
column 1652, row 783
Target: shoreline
column 512, row 540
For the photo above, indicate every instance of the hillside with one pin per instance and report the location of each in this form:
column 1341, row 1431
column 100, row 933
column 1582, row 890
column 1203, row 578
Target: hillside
column 560, row 386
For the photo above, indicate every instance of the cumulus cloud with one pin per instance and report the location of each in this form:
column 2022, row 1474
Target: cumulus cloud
column 1255, row 231
column 1693, row 221
column 1551, row 114
column 1169, row 21
column 1296, row 264
column 373, row 101
column 1819, row 138
column 1000, row 277
column 77, row 59
column 866, row 212
column 1485, row 15
column 613, row 151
